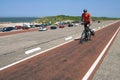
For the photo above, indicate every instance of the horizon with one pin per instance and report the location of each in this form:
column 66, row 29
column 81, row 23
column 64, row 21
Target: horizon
column 50, row 16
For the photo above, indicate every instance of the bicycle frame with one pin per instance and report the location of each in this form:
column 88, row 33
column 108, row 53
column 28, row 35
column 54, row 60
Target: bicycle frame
column 86, row 35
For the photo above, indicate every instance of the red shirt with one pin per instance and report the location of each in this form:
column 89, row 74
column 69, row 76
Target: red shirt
column 86, row 17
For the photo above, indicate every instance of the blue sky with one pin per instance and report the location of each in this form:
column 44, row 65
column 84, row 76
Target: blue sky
column 40, row 8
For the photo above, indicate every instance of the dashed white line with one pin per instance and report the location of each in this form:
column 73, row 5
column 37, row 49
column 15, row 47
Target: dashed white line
column 32, row 50
column 37, row 54
column 68, row 38
column 32, row 56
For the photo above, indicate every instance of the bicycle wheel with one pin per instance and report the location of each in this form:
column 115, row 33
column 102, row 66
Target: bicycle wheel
column 89, row 35
column 83, row 37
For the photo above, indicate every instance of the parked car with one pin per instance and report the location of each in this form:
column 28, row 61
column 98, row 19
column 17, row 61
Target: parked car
column 70, row 25
column 32, row 26
column 61, row 26
column 25, row 27
column 37, row 25
column 7, row 29
column 1, row 29
column 76, row 24
column 18, row 27
column 43, row 29
column 98, row 21
column 53, row 27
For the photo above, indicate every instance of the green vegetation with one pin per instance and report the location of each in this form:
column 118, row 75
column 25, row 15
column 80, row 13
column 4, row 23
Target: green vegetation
column 62, row 18
column 59, row 18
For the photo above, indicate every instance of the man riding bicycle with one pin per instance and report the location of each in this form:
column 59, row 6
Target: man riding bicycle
column 86, row 20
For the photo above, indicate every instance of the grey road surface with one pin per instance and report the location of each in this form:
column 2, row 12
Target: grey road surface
column 13, row 47
column 110, row 67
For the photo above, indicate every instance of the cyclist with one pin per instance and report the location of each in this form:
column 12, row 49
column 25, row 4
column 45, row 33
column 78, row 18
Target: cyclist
column 86, row 20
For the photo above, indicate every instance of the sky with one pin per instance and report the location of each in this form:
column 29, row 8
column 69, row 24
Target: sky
column 42, row 8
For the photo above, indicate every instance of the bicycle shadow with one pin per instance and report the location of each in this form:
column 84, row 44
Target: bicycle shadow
column 78, row 40
column 81, row 41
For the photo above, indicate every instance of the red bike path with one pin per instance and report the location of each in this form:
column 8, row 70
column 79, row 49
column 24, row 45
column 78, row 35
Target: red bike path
column 67, row 62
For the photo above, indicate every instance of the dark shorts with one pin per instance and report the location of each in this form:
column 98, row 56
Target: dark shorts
column 86, row 27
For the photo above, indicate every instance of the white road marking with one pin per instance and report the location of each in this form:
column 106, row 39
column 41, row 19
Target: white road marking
column 68, row 38
column 32, row 50
column 36, row 54
column 94, row 29
column 87, row 75
column 32, row 56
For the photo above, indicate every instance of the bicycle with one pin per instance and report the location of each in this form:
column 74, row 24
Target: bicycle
column 86, row 35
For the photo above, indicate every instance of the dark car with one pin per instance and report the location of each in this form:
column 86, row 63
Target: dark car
column 70, row 25
column 7, row 29
column 53, row 27
column 37, row 25
column 98, row 21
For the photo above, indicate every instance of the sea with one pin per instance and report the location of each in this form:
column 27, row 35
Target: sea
column 17, row 19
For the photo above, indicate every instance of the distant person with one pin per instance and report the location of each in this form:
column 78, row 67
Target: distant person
column 86, row 20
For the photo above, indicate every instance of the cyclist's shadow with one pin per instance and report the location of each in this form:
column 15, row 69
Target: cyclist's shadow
column 81, row 40
column 78, row 40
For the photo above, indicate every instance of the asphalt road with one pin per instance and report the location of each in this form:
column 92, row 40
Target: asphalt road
column 110, row 67
column 13, row 47
column 82, row 60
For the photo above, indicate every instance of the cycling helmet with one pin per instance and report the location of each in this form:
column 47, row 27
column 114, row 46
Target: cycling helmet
column 85, row 10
